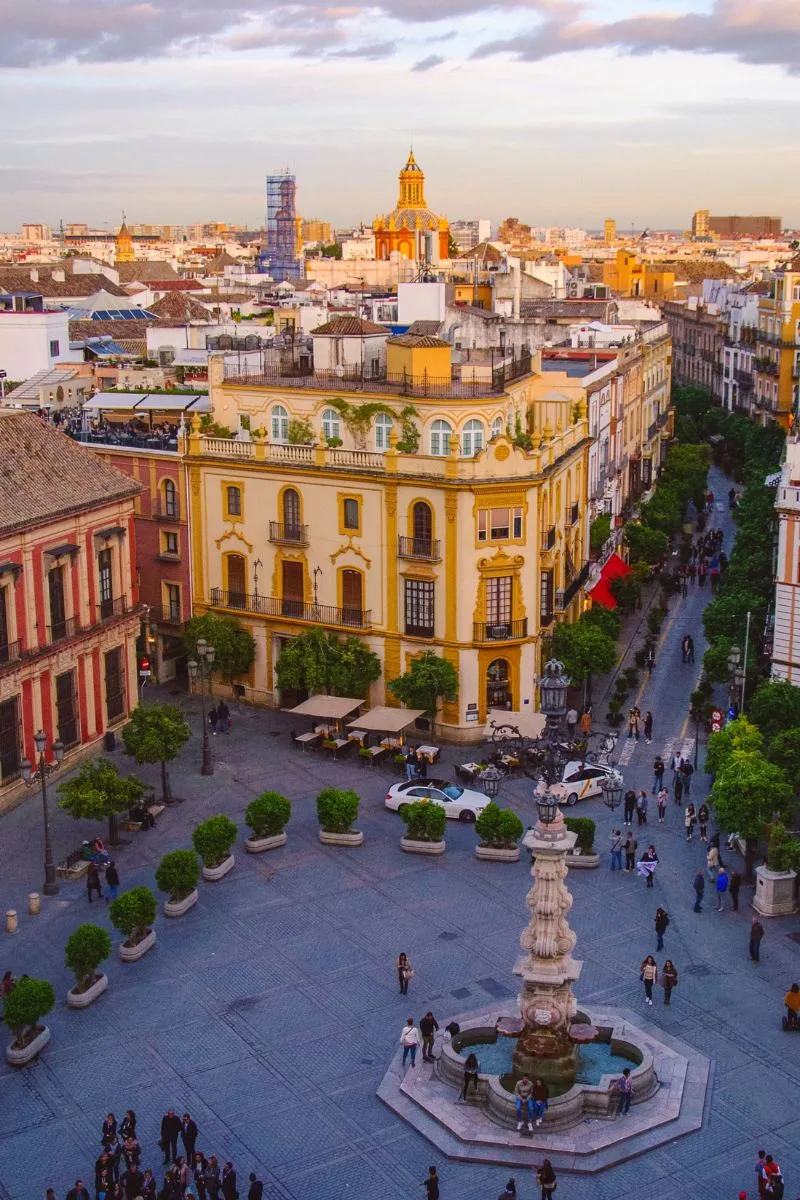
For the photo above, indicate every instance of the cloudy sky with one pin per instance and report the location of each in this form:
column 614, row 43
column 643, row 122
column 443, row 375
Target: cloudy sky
column 557, row 111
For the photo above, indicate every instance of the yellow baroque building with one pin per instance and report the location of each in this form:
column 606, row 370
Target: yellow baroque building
column 409, row 226
column 427, row 527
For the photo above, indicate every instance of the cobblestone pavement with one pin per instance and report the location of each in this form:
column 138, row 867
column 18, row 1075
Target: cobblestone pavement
column 271, row 1010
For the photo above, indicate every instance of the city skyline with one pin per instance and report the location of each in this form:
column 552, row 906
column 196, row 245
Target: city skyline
column 556, row 111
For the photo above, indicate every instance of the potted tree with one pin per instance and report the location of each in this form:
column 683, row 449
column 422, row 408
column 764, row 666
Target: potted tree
column 582, row 853
column 133, row 914
column 86, row 948
column 155, row 734
column 499, row 830
column 212, row 839
column 23, row 1009
column 428, row 681
column 177, row 875
column 775, row 882
column 266, row 817
column 425, row 824
column 337, row 809
column 98, row 792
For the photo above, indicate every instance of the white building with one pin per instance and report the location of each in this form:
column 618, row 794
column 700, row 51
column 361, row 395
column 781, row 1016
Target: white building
column 32, row 338
column 468, row 234
column 351, row 346
column 786, row 634
column 360, row 245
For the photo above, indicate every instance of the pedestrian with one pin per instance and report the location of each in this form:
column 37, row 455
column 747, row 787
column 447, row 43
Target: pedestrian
column 541, row 1099
column 669, row 979
column 791, row 1003
column 702, row 818
column 677, row 788
column 634, row 717
column 623, row 1086
column 648, row 726
column 108, row 1133
column 648, row 974
column 523, row 1101
column 411, row 763
column 572, row 723
column 690, row 649
column 422, row 765
column 699, row 891
column 586, row 723
column 687, row 771
column 509, row 1192
column 224, row 717
column 256, row 1189
column 650, row 663
column 685, row 649
column 689, row 819
column 641, row 808
column 629, row 807
column 428, row 1027
column 661, row 801
column 661, row 923
column 471, row 1072
column 546, row 1178
column 211, row 1177
column 761, row 1175
column 409, row 1040
column 756, row 935
column 431, row 1184
column 713, row 862
column 229, row 1182
column 615, row 839
column 131, row 1151
column 404, row 973
column 658, row 773
column 213, row 720
column 79, row 1192
column 7, row 984
column 722, row 887
column 170, row 1128
column 677, row 763
column 774, row 1179
column 648, row 864
column 149, row 1185
column 200, row 1168
column 189, row 1137
column 132, row 1182
column 734, row 884
column 93, row 882
column 112, row 881
column 630, row 848
column 127, row 1126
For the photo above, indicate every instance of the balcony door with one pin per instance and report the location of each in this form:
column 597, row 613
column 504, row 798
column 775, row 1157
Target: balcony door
column 10, row 756
column 106, row 585
column 352, row 598
column 291, row 514
column 67, row 708
column 237, row 581
column 5, row 652
column 58, row 607
column 292, row 597
column 423, row 527
column 498, row 606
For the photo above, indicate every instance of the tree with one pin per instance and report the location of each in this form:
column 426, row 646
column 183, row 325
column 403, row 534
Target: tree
column 99, row 793
column 316, row 661
column 268, row 814
column 784, row 751
column 428, row 680
column 133, row 914
column 213, row 838
column 177, row 874
column 747, row 795
column 87, row 946
column 234, row 646
column 584, row 648
column 599, row 531
column 775, row 706
column 337, row 809
column 156, row 734
column 741, row 735
column 646, row 544
column 25, row 1006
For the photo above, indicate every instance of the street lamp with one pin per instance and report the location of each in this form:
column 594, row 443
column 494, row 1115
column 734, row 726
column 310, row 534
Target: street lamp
column 490, row 780
column 553, row 687
column 32, row 777
column 547, row 808
column 611, row 787
column 200, row 670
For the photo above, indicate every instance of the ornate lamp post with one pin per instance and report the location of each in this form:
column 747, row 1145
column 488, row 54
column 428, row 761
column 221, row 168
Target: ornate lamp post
column 611, row 787
column 39, row 775
column 490, row 779
column 553, row 687
column 200, row 670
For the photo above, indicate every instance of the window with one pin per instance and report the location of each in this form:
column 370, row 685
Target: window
column 115, row 685
column 5, row 636
column 173, row 596
column 280, row 424
column 170, row 497
column 498, row 427
column 10, row 755
column 169, row 544
column 236, row 568
column 383, row 427
column 58, row 610
column 419, row 597
column 499, row 524
column 55, row 349
column 498, row 600
column 546, row 597
column 291, row 512
column 472, row 437
column 352, row 598
column 422, row 524
column 351, row 515
column 441, row 433
column 67, row 708
column 233, row 500
column 330, row 424
column 106, row 583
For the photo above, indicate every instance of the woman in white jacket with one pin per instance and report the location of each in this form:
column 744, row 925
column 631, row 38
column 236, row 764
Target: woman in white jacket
column 409, row 1040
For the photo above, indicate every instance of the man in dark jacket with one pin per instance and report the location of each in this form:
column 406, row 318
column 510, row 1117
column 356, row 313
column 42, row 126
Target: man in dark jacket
column 428, row 1027
column 79, row 1192
column 256, row 1190
column 699, row 891
column 229, row 1182
column 132, row 1181
column 211, row 1178
column 170, row 1128
column 189, row 1137
column 756, row 934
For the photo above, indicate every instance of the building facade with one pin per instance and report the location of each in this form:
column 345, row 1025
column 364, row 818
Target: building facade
column 786, row 631
column 776, row 361
column 69, row 613
column 33, row 337
column 699, row 334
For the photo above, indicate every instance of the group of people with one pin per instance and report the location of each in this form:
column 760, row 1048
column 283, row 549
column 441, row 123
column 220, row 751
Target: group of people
column 416, row 764
column 118, row 1173
column 769, row 1177
column 100, row 864
column 635, row 722
column 219, row 718
column 706, row 561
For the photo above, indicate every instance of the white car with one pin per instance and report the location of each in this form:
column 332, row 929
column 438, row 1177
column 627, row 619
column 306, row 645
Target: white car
column 461, row 803
column 579, row 781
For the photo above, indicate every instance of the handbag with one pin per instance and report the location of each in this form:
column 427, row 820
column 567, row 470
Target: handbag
column 410, row 973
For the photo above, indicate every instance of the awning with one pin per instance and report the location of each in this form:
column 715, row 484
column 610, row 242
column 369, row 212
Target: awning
column 613, row 568
column 331, row 708
column 529, row 723
column 109, row 400
column 383, row 719
column 166, row 402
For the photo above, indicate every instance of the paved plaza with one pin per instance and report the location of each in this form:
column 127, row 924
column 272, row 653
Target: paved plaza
column 271, row 1011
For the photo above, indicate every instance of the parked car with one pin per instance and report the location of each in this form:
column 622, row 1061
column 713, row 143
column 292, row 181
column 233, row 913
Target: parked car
column 579, row 781
column 458, row 802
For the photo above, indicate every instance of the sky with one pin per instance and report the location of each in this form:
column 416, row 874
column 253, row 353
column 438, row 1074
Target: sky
column 556, row 111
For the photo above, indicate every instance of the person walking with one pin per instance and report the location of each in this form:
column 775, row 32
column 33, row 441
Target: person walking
column 633, row 723
column 756, row 936
column 572, row 724
column 648, row 973
column 774, row 1178
column 641, row 808
column 523, row 1100
column 586, row 723
column 761, row 1175
column 431, row 1184
column 422, row 765
column 213, row 719
column 630, row 848
column 687, row 771
column 112, row 881
column 170, row 1128
column 722, row 887
column 677, row 788
column 648, row 865
column 661, row 803
column 658, row 773
column 93, row 882
column 648, row 727
column 256, row 1189
column 409, row 1040
column 411, row 764
column 791, row 1002
column 629, row 807
column 623, row 1086
column 229, row 1182
column 676, row 765
column 689, row 818
column 472, row 1068
column 224, row 717
column 546, row 1179
column 713, row 862
column 189, row 1138
column 541, row 1099
column 661, row 923
column 615, row 840
column 702, row 818
column 734, row 884
column 428, row 1027
column 650, row 663
column 685, row 649
column 404, row 973
column 669, row 979
column 699, row 891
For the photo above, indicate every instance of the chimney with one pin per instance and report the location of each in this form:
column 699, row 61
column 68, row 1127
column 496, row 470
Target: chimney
column 34, row 275
column 57, row 275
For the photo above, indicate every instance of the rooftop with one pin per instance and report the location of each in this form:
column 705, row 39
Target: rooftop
column 348, row 327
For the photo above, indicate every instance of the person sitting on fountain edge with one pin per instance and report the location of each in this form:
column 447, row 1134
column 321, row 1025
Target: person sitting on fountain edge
column 523, row 1095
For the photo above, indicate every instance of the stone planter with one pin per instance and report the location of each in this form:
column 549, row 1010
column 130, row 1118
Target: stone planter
column 353, row 837
column 586, row 861
column 774, row 895
column 497, row 853
column 412, row 846
column 212, row 874
column 259, row 845
column 176, row 908
column 77, row 999
column 134, row 953
column 18, row 1058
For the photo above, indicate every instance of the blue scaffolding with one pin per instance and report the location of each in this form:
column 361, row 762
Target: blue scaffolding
column 281, row 257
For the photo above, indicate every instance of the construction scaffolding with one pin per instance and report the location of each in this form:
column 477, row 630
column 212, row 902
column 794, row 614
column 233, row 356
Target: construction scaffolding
column 281, row 256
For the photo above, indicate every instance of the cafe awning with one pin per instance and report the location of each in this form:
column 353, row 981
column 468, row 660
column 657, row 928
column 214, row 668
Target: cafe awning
column 383, row 719
column 612, row 568
column 326, row 708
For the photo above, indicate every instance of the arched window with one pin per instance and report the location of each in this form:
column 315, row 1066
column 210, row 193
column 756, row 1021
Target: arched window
column 170, row 498
column 280, row 424
column 422, row 526
column 383, row 427
column 330, row 424
column 472, row 436
column 441, row 432
column 498, row 427
column 291, row 512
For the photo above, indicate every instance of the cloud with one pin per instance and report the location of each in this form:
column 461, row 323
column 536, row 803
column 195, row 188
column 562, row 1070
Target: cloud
column 427, row 64
column 759, row 32
column 372, row 52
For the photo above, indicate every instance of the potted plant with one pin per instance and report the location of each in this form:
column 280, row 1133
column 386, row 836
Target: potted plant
column 266, row 817
column 425, row 824
column 23, row 1009
column 499, row 830
column 775, row 882
column 614, row 714
column 177, row 875
column 86, row 948
column 337, row 809
column 212, row 839
column 133, row 914
column 583, row 853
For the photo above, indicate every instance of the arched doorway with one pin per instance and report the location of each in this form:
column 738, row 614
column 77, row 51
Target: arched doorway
column 237, row 581
column 498, row 685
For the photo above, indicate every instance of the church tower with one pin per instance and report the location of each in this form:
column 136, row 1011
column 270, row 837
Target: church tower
column 412, row 184
column 124, row 245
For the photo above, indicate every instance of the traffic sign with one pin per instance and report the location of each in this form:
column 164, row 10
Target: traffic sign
column 716, row 720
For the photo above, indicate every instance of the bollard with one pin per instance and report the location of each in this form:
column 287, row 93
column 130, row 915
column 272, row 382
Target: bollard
column 34, row 904
column 11, row 921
